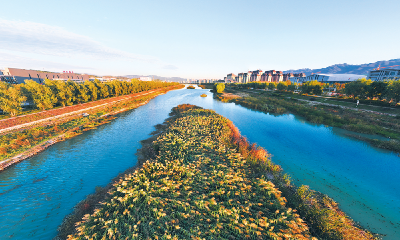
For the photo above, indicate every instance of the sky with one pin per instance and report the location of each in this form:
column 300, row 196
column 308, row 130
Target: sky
column 195, row 39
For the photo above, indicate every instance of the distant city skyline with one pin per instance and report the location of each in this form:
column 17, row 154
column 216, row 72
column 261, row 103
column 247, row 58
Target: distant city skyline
column 196, row 40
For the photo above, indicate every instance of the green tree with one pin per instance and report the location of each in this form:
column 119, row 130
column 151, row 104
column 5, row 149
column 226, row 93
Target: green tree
column 271, row 86
column 393, row 91
column 305, row 88
column 11, row 98
column 359, row 88
column 312, row 87
column 317, row 90
column 291, row 87
column 281, row 86
column 378, row 89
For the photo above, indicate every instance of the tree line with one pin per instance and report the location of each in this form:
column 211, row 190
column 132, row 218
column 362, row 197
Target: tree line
column 368, row 89
column 55, row 93
column 362, row 89
column 282, row 86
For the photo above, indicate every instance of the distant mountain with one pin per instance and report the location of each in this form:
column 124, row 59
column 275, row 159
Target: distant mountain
column 169, row 79
column 361, row 69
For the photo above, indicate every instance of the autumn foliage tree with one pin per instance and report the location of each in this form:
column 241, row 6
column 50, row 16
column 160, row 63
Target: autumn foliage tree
column 60, row 93
column 11, row 98
column 40, row 95
column 219, row 87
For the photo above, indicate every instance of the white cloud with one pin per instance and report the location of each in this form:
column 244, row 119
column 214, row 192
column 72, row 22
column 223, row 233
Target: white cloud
column 38, row 38
column 15, row 61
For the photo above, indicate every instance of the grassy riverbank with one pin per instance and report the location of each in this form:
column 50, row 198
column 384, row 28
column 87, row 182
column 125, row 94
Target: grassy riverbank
column 328, row 114
column 25, row 140
column 204, row 181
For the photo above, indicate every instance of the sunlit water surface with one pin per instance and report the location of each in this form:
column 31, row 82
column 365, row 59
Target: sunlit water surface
column 36, row 194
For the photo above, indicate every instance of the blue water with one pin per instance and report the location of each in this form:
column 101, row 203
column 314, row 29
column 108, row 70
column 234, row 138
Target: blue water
column 36, row 194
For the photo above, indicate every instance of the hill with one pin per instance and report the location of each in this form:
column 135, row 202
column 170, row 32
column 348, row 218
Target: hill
column 349, row 68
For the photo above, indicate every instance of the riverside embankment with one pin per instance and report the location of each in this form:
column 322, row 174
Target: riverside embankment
column 381, row 130
column 41, row 191
column 31, row 137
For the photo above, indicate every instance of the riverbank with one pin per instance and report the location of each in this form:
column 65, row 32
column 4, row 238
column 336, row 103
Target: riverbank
column 369, row 122
column 206, row 181
column 24, row 142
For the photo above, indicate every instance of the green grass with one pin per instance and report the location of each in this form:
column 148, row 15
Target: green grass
column 330, row 100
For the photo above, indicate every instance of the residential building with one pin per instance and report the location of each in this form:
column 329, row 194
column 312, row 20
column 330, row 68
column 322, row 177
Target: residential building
column 272, row 76
column 260, row 76
column 297, row 77
column 329, row 78
column 239, row 78
column 384, row 74
column 266, row 77
column 256, row 75
column 286, row 76
column 230, row 77
column 246, row 77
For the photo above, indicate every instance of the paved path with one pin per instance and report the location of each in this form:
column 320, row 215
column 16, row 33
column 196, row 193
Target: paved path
column 16, row 127
column 334, row 105
column 344, row 107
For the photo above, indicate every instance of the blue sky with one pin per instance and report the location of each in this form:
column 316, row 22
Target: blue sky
column 195, row 39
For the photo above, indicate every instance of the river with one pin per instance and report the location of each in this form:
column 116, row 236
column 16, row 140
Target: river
column 36, row 194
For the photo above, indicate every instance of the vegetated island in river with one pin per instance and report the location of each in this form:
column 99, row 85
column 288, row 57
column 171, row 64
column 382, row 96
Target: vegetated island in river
column 202, row 180
column 317, row 110
column 24, row 140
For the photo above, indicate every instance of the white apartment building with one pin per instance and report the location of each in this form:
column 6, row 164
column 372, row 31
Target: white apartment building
column 328, row 78
column 384, row 74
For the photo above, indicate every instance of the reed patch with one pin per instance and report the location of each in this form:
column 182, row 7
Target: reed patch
column 205, row 181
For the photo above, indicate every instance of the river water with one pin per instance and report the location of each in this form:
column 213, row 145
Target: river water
column 36, row 194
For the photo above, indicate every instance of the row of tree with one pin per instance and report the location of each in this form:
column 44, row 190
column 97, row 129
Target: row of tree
column 367, row 89
column 59, row 93
column 313, row 87
column 362, row 89
column 286, row 85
